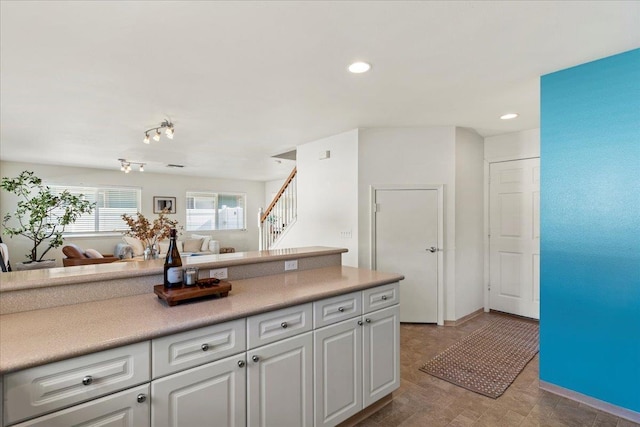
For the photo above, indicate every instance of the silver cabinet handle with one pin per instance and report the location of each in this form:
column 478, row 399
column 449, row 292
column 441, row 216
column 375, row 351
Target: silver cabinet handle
column 384, row 297
column 432, row 249
column 141, row 397
column 241, row 363
column 284, row 325
column 87, row 380
column 341, row 309
column 204, row 347
column 255, row 358
column 367, row 320
column 360, row 322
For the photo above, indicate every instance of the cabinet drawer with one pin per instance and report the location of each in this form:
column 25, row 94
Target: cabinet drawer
column 336, row 309
column 47, row 388
column 185, row 350
column 276, row 325
column 380, row 297
column 118, row 409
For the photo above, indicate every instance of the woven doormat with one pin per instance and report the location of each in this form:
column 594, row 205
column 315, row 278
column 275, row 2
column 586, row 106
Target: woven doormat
column 488, row 360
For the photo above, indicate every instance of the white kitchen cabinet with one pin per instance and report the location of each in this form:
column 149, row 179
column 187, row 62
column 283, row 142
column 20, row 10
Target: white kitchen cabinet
column 381, row 353
column 208, row 395
column 357, row 361
column 48, row 388
column 338, row 371
column 129, row 408
column 318, row 362
column 280, row 383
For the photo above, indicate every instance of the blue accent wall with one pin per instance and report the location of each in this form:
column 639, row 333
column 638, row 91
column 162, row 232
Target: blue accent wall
column 590, row 229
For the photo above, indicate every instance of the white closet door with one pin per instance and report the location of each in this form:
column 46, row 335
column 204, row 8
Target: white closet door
column 514, row 242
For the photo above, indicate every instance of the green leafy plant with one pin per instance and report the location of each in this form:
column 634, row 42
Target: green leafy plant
column 41, row 215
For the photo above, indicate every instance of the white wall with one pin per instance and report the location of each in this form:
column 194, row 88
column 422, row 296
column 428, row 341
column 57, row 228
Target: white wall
column 151, row 185
column 469, row 205
column 271, row 188
column 511, row 146
column 327, row 196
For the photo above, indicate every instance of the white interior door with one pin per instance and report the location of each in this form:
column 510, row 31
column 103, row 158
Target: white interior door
column 406, row 227
column 514, row 237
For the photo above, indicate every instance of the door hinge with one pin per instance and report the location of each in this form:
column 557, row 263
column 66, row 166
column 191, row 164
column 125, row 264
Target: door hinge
column 376, row 207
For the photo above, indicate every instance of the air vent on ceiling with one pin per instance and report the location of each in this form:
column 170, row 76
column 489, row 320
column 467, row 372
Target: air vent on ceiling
column 171, row 165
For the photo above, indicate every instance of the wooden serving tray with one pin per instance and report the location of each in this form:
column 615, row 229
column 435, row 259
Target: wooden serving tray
column 202, row 289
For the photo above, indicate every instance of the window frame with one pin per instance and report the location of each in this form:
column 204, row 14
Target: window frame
column 216, row 207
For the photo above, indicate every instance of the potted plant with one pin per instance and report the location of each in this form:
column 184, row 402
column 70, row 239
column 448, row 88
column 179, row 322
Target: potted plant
column 41, row 216
column 149, row 233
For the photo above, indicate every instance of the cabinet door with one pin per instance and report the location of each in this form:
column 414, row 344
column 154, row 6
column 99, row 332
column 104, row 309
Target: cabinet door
column 338, row 372
column 129, row 408
column 209, row 395
column 381, row 353
column 280, row 388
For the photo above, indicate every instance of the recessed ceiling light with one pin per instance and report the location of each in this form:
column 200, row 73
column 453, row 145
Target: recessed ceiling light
column 509, row 116
column 359, row 67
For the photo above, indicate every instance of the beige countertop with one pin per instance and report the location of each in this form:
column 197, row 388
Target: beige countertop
column 37, row 337
column 20, row 280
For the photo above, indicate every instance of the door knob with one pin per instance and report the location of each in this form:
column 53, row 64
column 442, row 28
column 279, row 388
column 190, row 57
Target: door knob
column 433, row 249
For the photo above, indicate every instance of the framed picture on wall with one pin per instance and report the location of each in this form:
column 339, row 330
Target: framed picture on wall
column 161, row 203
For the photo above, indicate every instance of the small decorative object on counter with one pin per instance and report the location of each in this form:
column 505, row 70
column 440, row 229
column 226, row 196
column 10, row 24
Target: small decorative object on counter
column 204, row 288
column 172, row 264
column 190, row 276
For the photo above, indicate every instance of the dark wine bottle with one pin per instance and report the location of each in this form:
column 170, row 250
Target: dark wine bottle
column 172, row 264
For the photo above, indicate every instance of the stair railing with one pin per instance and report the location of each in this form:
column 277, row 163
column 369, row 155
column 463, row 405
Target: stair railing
column 281, row 213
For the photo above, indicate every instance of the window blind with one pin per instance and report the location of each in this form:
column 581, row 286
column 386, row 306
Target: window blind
column 110, row 204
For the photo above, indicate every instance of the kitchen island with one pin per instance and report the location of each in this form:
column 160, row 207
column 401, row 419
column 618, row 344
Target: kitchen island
column 294, row 326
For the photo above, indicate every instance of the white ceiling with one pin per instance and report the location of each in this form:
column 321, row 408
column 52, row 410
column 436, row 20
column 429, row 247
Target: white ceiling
column 243, row 81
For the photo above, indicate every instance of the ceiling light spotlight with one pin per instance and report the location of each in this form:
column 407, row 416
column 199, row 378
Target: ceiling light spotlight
column 359, row 67
column 509, row 116
column 125, row 165
column 166, row 125
column 169, row 132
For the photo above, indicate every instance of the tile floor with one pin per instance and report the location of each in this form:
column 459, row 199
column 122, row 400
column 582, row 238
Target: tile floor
column 424, row 401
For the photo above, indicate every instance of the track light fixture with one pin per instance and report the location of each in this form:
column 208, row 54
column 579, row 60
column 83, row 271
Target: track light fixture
column 168, row 130
column 125, row 165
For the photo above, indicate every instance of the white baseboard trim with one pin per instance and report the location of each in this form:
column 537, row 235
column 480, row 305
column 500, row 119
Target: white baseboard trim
column 600, row 405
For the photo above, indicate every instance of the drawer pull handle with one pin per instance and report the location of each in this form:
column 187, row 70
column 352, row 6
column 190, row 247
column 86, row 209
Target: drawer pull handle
column 87, row 380
column 241, row 363
column 360, row 322
column 384, row 297
column 367, row 320
column 141, row 398
column 255, row 358
column 341, row 309
column 204, row 347
column 284, row 325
